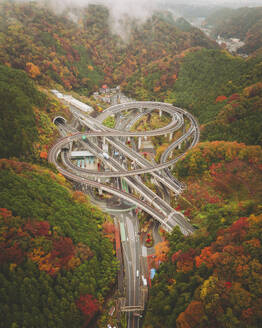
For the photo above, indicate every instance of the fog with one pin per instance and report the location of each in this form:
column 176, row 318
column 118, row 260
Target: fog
column 142, row 8
column 139, row 9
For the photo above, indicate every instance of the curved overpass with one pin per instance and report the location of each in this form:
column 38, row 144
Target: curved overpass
column 153, row 204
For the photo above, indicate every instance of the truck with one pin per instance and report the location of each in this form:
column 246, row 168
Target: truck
column 105, row 155
column 144, row 281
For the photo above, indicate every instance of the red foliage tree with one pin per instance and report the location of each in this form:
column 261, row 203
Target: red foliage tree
column 43, row 228
column 10, row 253
column 192, row 315
column 37, row 228
column 63, row 249
column 5, row 213
column 88, row 305
column 221, row 98
column 184, row 261
column 239, row 228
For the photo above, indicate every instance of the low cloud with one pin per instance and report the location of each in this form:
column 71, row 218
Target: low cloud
column 119, row 10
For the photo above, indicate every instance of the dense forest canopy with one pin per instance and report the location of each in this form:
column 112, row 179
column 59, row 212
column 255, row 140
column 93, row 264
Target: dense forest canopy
column 18, row 123
column 213, row 276
column 54, row 49
column 56, row 266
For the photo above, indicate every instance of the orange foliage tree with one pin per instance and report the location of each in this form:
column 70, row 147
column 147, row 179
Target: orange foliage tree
column 161, row 250
column 32, row 70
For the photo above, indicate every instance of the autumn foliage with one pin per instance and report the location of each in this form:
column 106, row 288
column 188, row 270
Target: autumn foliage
column 32, row 70
column 221, row 98
column 89, row 307
column 21, row 242
column 52, row 250
column 161, row 251
column 213, row 284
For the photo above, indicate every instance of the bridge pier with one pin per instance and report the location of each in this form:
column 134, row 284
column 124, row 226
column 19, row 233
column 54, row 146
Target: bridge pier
column 100, row 192
column 139, row 142
column 171, row 136
column 160, row 112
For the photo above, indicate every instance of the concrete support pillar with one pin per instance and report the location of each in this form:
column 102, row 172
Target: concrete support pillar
column 170, row 136
column 104, row 140
column 139, row 142
column 160, row 112
column 179, row 146
column 145, row 137
column 100, row 192
column 166, row 135
column 141, row 110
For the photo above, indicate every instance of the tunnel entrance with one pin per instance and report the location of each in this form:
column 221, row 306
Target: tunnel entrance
column 59, row 120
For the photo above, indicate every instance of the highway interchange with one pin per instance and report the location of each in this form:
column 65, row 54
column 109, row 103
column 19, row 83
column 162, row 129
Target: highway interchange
column 95, row 136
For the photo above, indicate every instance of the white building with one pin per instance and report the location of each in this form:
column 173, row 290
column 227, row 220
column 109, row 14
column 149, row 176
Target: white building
column 78, row 104
column 73, row 101
column 57, row 94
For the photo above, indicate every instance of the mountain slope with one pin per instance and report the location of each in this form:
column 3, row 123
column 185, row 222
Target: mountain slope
column 83, row 55
column 213, row 277
column 242, row 23
column 56, row 266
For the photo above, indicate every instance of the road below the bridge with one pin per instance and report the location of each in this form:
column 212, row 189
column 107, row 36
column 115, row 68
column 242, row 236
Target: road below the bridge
column 137, row 193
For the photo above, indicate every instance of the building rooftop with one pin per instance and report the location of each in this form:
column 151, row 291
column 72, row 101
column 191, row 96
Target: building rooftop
column 78, row 104
column 81, row 153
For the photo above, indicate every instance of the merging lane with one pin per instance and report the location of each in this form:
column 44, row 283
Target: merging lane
column 152, row 203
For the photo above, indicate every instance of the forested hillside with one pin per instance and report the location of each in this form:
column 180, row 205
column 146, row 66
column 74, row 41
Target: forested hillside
column 239, row 119
column 18, row 123
column 26, row 128
column 210, row 284
column 56, row 267
column 206, row 77
column 242, row 23
column 54, row 49
column 212, row 278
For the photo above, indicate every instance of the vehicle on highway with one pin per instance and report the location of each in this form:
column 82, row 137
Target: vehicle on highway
column 105, row 155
